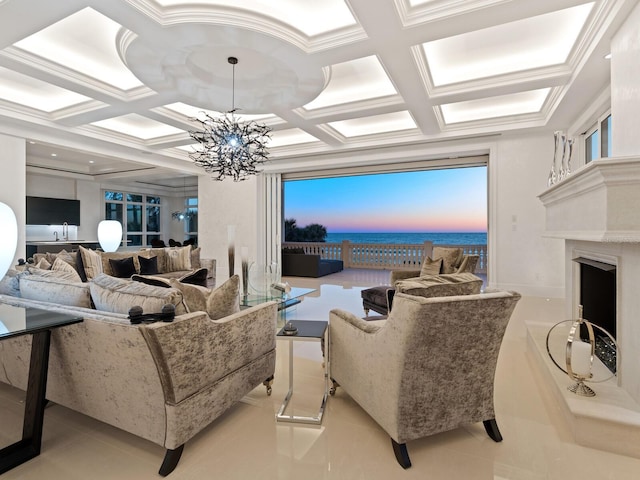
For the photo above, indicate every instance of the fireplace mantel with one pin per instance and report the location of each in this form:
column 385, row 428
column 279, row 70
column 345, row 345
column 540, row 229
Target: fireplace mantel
column 597, row 203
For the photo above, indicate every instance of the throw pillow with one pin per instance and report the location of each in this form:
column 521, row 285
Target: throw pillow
column 194, row 296
column 195, row 258
column 218, row 303
column 148, row 266
column 62, row 266
column 116, row 295
column 67, row 257
column 80, row 266
column 59, row 288
column 431, row 267
column 451, row 258
column 160, row 254
column 43, row 264
column 92, row 262
column 224, row 300
column 178, row 259
column 152, row 280
column 197, row 277
column 122, row 268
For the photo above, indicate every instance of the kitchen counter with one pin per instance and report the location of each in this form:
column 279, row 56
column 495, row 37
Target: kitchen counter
column 53, row 246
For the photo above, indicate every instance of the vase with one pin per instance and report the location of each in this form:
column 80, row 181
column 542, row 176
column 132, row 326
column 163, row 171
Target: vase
column 231, row 249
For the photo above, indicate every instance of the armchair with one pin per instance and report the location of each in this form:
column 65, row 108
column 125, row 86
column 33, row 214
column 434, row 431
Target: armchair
column 428, row 368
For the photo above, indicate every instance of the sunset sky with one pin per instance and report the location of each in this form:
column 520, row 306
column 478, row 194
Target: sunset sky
column 453, row 200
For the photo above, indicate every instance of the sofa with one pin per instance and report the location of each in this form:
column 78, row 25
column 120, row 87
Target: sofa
column 308, row 265
column 164, row 382
column 183, row 263
column 447, row 261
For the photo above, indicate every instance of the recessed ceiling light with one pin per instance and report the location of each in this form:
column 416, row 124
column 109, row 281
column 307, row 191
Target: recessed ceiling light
column 608, row 56
column 91, row 161
column 32, row 142
column 54, row 154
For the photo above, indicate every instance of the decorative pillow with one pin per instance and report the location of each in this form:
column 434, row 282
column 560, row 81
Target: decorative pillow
column 431, row 267
column 178, row 259
column 160, row 254
column 441, row 285
column 61, row 265
column 92, row 262
column 67, row 257
column 194, row 296
column 195, row 258
column 224, row 300
column 80, row 266
column 56, row 289
column 148, row 266
column 197, row 277
column 43, row 264
column 451, row 258
column 152, row 280
column 116, row 295
column 108, row 256
column 122, row 268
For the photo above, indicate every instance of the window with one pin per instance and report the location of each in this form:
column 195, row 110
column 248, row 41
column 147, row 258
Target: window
column 139, row 215
column 598, row 140
column 191, row 220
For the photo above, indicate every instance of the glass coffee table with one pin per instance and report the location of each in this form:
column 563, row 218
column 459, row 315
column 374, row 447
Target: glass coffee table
column 284, row 300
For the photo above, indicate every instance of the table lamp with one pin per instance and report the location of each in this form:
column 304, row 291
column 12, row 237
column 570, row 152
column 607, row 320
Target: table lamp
column 8, row 239
column 109, row 235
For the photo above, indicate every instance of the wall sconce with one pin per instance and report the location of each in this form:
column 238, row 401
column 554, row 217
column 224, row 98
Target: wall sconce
column 109, row 235
column 8, row 239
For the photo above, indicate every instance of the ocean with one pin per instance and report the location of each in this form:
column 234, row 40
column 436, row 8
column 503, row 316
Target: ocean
column 410, row 238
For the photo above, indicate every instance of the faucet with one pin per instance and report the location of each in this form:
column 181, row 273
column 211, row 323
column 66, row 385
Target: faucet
column 65, row 232
column 55, row 234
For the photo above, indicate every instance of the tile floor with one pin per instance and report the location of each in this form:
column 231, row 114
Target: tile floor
column 246, row 443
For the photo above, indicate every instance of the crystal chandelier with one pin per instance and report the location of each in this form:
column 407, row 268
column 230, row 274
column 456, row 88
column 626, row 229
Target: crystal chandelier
column 229, row 147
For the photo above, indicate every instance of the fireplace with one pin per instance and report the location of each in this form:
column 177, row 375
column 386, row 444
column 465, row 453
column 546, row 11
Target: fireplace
column 597, row 296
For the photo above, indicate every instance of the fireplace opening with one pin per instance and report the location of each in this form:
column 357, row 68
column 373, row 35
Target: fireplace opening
column 598, row 300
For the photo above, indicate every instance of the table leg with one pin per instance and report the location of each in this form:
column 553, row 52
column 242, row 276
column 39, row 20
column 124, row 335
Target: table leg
column 29, row 446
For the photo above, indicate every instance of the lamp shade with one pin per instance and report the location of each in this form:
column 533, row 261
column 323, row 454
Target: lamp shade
column 8, row 239
column 109, row 235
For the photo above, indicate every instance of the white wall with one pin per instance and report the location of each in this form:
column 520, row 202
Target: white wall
column 221, row 204
column 520, row 257
column 625, row 91
column 12, row 184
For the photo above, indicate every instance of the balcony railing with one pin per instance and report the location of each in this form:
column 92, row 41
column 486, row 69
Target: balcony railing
column 383, row 256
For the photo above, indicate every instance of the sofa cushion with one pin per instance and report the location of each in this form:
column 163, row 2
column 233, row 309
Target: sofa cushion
column 195, row 258
column 431, row 267
column 56, row 287
column 440, row 285
column 116, row 295
column 148, row 265
column 177, row 259
column 451, row 258
column 122, row 268
column 218, row 303
column 155, row 280
column 91, row 261
column 107, row 266
column 197, row 277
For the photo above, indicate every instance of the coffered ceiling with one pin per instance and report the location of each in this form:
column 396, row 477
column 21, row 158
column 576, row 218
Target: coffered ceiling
column 110, row 86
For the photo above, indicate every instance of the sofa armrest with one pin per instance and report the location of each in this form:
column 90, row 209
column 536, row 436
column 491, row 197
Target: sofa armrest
column 403, row 274
column 337, row 315
column 194, row 351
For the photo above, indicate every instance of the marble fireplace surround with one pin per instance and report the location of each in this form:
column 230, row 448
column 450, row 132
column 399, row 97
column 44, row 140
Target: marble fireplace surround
column 597, row 212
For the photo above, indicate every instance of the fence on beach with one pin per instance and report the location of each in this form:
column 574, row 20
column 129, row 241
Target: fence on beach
column 383, row 256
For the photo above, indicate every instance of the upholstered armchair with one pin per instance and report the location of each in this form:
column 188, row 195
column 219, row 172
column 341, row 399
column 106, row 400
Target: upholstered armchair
column 428, row 368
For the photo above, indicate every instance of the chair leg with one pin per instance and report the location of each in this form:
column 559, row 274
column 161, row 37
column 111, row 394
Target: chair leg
column 492, row 430
column 334, row 387
column 171, row 459
column 366, row 312
column 268, row 383
column 401, row 453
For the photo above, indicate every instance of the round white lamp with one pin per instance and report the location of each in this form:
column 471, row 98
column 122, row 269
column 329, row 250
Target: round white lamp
column 109, row 235
column 8, row 239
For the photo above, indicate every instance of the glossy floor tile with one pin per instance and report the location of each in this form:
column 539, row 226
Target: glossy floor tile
column 247, row 443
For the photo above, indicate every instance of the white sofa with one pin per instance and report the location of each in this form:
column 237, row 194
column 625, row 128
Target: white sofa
column 164, row 382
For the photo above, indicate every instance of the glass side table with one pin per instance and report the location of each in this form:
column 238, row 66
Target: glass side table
column 308, row 331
